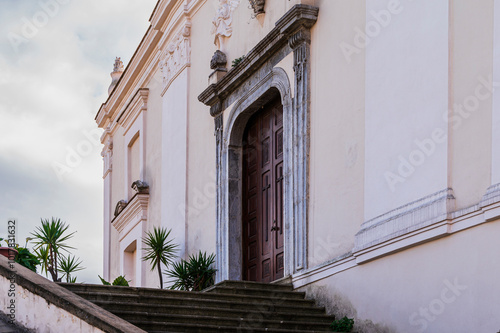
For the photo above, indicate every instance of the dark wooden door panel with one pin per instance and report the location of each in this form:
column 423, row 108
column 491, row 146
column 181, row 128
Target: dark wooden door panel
column 263, row 223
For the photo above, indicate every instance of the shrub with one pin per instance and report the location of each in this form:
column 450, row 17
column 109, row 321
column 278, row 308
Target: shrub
column 342, row 325
column 119, row 281
column 27, row 259
column 194, row 274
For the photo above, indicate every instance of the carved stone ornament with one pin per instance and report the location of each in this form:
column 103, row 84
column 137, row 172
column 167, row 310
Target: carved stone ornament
column 107, row 155
column 219, row 61
column 222, row 22
column 120, row 206
column 258, row 6
column 115, row 74
column 177, row 55
column 140, row 187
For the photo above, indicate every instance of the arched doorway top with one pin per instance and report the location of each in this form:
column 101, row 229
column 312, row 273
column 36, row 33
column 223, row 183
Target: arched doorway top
column 274, row 84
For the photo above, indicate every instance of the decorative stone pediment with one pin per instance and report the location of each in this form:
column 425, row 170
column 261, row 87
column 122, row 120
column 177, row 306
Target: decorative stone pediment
column 176, row 56
column 135, row 212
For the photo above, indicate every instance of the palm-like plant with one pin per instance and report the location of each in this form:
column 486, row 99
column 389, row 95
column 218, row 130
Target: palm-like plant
column 196, row 273
column 182, row 277
column 49, row 241
column 68, row 265
column 159, row 249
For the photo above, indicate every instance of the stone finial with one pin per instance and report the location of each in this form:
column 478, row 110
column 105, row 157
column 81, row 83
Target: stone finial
column 120, row 206
column 218, row 64
column 118, row 66
column 116, row 74
column 258, row 6
column 140, row 187
column 219, row 61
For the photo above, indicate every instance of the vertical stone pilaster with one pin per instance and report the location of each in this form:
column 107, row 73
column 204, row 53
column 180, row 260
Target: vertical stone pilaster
column 221, row 248
column 299, row 41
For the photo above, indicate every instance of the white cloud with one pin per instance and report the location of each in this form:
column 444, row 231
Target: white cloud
column 51, row 86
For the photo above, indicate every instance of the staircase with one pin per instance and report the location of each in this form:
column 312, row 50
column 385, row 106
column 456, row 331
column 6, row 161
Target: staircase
column 230, row 306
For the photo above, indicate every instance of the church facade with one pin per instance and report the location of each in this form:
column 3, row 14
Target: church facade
column 351, row 148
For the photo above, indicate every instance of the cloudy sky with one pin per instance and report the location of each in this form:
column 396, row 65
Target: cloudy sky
column 55, row 60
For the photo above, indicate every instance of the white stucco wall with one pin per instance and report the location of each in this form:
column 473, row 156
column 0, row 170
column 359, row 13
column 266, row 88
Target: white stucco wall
column 406, row 97
column 201, row 141
column 174, row 158
column 337, row 132
column 472, row 61
column 448, row 285
column 34, row 312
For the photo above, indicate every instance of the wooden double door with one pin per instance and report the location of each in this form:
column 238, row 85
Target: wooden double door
column 263, row 227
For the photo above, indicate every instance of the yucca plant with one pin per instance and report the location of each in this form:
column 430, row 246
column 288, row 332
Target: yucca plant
column 159, row 250
column 68, row 265
column 195, row 274
column 49, row 242
column 182, row 277
column 201, row 268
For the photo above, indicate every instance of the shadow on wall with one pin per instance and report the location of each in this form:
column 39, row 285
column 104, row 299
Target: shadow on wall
column 339, row 306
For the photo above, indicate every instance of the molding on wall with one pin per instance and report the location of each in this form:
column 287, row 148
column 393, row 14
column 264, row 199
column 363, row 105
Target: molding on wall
column 492, row 196
column 405, row 219
column 137, row 104
column 135, row 212
column 458, row 221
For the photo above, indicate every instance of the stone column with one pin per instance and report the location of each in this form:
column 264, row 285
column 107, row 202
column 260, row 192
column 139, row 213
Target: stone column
column 300, row 41
column 221, row 245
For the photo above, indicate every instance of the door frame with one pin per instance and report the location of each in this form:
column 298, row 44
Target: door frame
column 229, row 228
column 242, row 90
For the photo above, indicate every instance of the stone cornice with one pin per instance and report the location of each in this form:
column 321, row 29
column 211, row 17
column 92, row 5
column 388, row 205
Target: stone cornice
column 124, row 87
column 137, row 104
column 299, row 16
column 166, row 19
column 161, row 13
column 135, row 212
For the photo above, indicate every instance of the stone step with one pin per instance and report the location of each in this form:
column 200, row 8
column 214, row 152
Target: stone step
column 140, row 318
column 196, row 328
column 258, row 292
column 253, row 285
column 247, row 311
column 186, row 299
column 131, row 303
column 220, row 293
column 230, row 306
